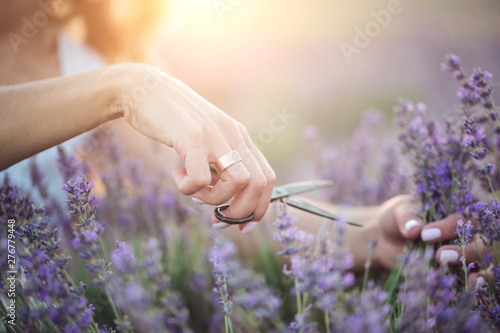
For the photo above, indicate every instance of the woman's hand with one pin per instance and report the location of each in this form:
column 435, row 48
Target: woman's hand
column 166, row 110
column 38, row 115
column 398, row 223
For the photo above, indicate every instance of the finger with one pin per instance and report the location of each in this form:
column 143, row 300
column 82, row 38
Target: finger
column 215, row 176
column 245, row 202
column 451, row 254
column 408, row 221
column 248, row 147
column 476, row 280
column 232, row 180
column 441, row 230
column 196, row 175
column 265, row 200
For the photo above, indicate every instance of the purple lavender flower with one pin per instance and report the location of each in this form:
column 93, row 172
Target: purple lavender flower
column 488, row 216
column 87, row 230
column 302, row 322
column 364, row 318
column 123, row 259
column 41, row 268
column 464, row 232
column 150, row 302
column 220, row 256
column 439, row 160
column 488, row 307
column 321, row 273
column 250, row 291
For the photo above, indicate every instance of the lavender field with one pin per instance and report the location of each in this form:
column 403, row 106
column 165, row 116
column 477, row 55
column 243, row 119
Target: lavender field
column 126, row 252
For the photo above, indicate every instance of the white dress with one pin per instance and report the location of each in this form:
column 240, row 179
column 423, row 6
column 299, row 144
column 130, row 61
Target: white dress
column 74, row 58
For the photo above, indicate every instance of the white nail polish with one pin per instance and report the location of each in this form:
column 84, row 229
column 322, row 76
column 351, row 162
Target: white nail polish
column 220, row 225
column 430, row 234
column 480, row 282
column 198, row 201
column 412, row 224
column 249, row 228
column 447, row 256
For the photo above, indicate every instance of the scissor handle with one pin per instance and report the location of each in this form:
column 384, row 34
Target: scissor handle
column 223, row 218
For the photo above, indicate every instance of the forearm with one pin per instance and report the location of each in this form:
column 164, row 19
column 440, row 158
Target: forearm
column 39, row 115
column 356, row 239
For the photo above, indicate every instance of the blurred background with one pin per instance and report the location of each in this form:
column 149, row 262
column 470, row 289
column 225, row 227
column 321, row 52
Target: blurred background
column 256, row 59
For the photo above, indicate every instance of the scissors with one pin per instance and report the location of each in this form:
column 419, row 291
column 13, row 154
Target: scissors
column 284, row 193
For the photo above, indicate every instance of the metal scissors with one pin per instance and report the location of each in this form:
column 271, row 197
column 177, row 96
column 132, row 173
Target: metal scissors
column 284, row 193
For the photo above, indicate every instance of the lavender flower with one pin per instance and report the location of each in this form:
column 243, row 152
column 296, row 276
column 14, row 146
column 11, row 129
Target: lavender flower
column 322, row 273
column 488, row 307
column 464, row 232
column 250, row 291
column 123, row 259
column 87, row 230
column 440, row 163
column 151, row 304
column 488, row 216
column 364, row 318
column 41, row 270
column 291, row 237
column 475, row 90
column 220, row 255
column 414, row 293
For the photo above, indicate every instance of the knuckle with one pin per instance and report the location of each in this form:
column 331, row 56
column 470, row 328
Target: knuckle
column 243, row 130
column 200, row 181
column 259, row 183
column 271, row 177
column 194, row 132
column 240, row 175
column 243, row 179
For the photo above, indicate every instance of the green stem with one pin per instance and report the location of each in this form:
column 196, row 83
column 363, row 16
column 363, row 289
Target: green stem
column 297, row 292
column 225, row 323
column 110, row 299
column 327, row 322
column 489, row 181
column 367, row 272
column 304, row 302
column 464, row 267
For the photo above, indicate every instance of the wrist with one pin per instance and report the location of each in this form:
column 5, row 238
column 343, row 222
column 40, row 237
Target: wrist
column 129, row 85
column 119, row 81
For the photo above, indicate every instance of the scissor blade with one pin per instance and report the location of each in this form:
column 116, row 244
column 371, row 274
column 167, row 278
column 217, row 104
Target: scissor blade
column 297, row 188
column 297, row 203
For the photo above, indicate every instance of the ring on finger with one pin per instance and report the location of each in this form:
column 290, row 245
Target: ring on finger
column 227, row 160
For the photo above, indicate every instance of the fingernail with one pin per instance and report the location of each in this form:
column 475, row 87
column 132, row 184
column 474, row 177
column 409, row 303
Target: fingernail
column 220, row 225
column 448, row 256
column 248, row 228
column 198, row 201
column 430, row 234
column 480, row 282
column 412, row 224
